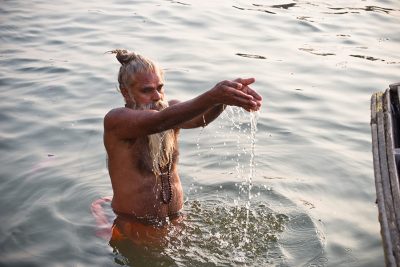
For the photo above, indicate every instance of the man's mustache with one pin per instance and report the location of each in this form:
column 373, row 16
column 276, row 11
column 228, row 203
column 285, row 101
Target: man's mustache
column 158, row 105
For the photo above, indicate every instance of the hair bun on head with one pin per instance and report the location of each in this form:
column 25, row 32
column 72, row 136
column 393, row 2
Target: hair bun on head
column 123, row 55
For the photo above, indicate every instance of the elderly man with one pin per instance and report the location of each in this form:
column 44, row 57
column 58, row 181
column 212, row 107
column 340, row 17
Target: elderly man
column 141, row 138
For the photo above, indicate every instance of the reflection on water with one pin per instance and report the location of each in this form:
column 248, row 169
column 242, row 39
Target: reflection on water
column 178, row 2
column 374, row 59
column 342, row 10
column 250, row 56
column 366, row 8
column 254, row 9
column 284, row 6
column 312, row 51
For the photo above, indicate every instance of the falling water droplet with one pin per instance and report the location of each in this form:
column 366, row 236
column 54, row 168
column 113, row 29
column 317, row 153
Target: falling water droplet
column 253, row 123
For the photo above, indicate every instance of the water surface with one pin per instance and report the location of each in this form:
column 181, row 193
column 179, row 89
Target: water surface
column 316, row 65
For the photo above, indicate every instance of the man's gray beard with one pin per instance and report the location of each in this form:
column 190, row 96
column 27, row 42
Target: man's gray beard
column 161, row 145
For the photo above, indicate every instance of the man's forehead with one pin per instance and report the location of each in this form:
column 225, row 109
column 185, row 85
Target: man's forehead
column 149, row 78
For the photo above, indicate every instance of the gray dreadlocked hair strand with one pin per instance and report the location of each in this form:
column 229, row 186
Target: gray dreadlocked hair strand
column 131, row 64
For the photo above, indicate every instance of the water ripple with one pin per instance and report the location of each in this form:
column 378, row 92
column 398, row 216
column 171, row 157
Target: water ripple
column 254, row 9
column 250, row 56
column 316, row 77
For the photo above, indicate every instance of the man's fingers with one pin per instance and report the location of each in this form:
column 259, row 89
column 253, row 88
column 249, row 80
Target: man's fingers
column 247, row 89
column 238, row 93
column 245, row 100
column 243, row 95
column 254, row 94
column 245, row 103
column 245, row 81
column 229, row 90
column 233, row 84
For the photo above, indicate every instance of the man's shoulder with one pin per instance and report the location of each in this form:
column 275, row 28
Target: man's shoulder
column 112, row 117
column 115, row 112
column 114, row 125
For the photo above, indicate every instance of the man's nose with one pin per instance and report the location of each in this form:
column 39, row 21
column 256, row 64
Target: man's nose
column 156, row 96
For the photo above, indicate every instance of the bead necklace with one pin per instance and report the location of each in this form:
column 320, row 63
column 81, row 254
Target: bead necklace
column 166, row 188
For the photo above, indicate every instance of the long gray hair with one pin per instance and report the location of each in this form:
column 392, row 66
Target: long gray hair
column 131, row 64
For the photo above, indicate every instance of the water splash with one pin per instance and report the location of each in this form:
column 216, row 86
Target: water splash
column 211, row 234
column 198, row 141
column 244, row 124
column 253, row 124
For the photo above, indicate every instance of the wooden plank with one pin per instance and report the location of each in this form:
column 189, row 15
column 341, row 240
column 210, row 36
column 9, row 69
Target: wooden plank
column 395, row 86
column 393, row 177
column 385, row 176
column 385, row 232
column 395, row 105
column 386, row 180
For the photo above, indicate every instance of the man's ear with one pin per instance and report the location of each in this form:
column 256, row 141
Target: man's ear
column 124, row 92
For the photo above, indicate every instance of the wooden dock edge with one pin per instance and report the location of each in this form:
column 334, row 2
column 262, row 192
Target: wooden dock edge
column 386, row 158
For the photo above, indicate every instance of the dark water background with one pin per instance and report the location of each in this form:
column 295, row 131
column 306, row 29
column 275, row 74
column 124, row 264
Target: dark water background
column 316, row 64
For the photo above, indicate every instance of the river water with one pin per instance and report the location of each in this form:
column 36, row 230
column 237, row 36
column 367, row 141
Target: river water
column 312, row 187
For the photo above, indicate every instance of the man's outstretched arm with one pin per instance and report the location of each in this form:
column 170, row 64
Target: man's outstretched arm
column 127, row 123
column 211, row 114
